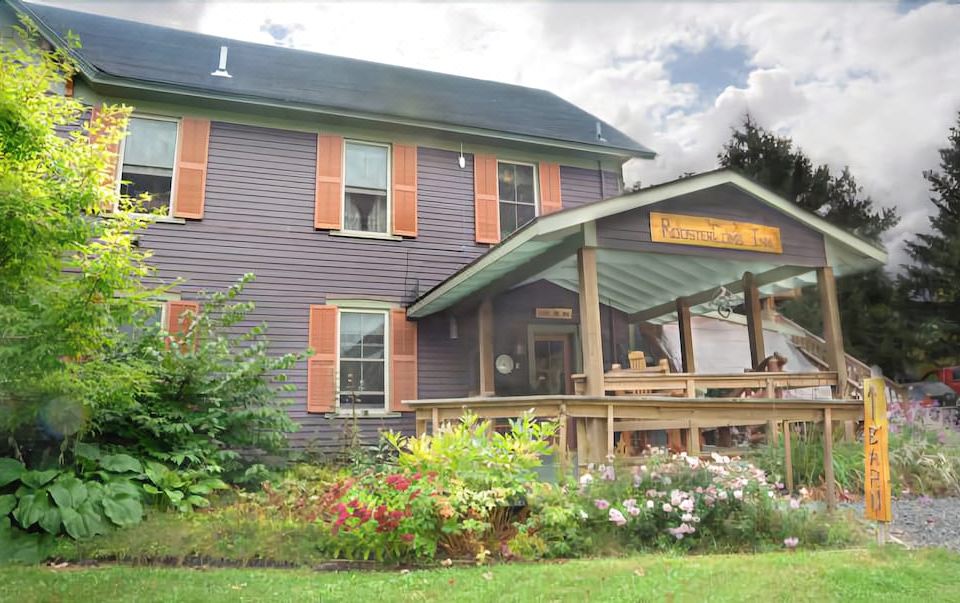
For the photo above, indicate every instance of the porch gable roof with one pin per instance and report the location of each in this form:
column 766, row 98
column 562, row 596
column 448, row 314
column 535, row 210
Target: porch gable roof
column 545, row 248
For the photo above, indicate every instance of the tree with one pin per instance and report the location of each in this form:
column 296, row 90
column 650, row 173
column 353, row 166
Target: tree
column 933, row 280
column 69, row 277
column 869, row 303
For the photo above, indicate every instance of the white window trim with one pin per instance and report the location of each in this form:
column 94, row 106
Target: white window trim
column 536, row 190
column 343, row 194
column 173, row 180
column 386, row 363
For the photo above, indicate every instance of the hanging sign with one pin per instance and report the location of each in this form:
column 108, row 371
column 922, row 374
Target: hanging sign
column 713, row 232
column 562, row 313
column 876, row 496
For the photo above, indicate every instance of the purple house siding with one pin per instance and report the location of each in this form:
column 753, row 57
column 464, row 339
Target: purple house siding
column 259, row 218
column 581, row 185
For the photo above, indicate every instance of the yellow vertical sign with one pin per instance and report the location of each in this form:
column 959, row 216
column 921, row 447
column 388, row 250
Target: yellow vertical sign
column 876, row 496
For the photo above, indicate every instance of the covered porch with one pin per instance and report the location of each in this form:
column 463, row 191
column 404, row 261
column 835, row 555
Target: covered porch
column 569, row 300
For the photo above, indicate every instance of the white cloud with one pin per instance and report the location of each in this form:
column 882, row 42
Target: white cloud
column 856, row 84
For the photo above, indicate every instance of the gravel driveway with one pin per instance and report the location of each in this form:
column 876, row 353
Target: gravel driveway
column 925, row 521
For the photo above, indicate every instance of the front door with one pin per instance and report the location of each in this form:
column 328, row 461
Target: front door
column 551, row 361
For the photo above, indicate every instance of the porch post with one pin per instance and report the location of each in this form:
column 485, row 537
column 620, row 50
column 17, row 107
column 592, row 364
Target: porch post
column 485, row 341
column 590, row 334
column 832, row 334
column 751, row 303
column 686, row 336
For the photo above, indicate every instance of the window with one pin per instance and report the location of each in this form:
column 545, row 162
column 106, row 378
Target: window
column 148, row 155
column 363, row 369
column 365, row 184
column 517, row 194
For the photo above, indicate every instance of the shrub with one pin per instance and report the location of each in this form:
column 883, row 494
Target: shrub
column 214, row 394
column 81, row 503
column 675, row 501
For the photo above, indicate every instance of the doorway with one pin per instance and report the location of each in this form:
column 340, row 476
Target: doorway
column 551, row 364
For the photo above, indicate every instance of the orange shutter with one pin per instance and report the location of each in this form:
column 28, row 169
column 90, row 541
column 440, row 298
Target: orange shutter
column 405, row 190
column 549, row 188
column 403, row 360
column 112, row 172
column 178, row 322
column 327, row 211
column 321, row 367
column 191, row 175
column 486, row 205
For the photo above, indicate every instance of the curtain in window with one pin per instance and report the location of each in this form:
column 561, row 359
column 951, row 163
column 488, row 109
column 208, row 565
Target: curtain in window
column 150, row 143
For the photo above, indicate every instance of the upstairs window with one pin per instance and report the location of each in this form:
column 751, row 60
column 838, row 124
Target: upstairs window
column 362, row 360
column 517, row 195
column 148, row 155
column 365, row 184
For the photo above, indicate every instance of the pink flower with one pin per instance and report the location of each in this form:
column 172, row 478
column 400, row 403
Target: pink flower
column 634, row 511
column 794, row 503
column 607, row 473
column 617, row 518
column 601, row 504
column 791, row 542
column 738, row 494
column 667, row 508
column 687, row 505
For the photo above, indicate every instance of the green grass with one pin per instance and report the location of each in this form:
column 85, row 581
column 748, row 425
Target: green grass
column 851, row 575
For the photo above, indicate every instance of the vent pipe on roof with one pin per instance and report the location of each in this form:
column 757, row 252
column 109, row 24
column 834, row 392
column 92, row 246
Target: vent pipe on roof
column 600, row 137
column 222, row 67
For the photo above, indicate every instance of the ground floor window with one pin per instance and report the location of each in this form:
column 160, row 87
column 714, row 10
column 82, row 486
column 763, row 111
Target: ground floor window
column 362, row 354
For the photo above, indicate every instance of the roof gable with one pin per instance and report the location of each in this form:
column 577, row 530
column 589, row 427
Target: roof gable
column 138, row 52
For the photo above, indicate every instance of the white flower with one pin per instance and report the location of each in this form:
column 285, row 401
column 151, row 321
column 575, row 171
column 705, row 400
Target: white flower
column 686, row 517
column 738, row 494
column 585, row 480
column 687, row 505
column 794, row 503
column 649, row 504
column 667, row 508
column 583, row 514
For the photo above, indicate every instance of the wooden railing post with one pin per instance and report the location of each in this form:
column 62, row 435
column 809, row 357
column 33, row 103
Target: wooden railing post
column 829, row 481
column 787, row 456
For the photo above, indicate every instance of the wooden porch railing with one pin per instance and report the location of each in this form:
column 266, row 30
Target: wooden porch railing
column 629, row 381
column 598, row 419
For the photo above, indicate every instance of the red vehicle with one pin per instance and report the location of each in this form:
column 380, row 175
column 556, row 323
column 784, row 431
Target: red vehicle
column 949, row 375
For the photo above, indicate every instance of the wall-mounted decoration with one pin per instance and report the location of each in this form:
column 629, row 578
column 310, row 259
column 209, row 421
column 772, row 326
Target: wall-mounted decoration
column 504, row 364
column 713, row 232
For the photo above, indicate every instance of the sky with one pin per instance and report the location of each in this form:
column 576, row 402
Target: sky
column 870, row 85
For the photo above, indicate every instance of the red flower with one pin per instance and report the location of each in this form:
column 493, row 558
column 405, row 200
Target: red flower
column 407, row 537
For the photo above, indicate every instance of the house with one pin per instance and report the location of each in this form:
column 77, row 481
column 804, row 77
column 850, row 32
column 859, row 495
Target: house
column 437, row 240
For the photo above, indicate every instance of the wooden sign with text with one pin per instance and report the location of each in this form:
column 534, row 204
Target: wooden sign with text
column 876, row 489
column 562, row 313
column 713, row 232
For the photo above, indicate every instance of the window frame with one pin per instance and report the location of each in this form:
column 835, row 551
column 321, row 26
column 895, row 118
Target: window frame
column 121, row 151
column 536, row 193
column 388, row 233
column 386, row 359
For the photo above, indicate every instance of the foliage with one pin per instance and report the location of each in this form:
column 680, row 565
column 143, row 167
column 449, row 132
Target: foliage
column 80, row 502
column 806, row 447
column 213, row 394
column 68, row 280
column 675, row 501
column 933, row 279
column 865, row 300
column 472, row 453
column 924, row 451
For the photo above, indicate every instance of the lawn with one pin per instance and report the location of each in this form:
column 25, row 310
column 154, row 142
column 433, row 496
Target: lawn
column 851, row 575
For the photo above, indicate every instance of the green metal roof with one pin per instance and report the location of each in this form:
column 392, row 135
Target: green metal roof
column 646, row 284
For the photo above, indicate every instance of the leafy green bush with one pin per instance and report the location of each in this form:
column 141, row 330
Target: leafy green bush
column 674, row 502
column 82, row 503
column 213, row 403
column 807, row 459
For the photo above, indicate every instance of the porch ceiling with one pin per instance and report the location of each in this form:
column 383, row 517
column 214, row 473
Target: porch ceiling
column 643, row 284
column 636, row 282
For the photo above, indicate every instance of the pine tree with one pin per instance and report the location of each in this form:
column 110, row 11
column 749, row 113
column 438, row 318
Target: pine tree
column 933, row 280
